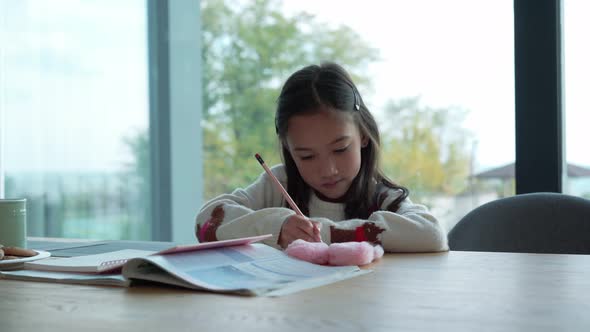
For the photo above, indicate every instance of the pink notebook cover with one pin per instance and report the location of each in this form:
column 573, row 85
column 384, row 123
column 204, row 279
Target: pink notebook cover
column 214, row 244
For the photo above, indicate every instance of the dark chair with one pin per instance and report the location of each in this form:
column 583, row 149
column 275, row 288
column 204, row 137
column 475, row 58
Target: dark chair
column 533, row 223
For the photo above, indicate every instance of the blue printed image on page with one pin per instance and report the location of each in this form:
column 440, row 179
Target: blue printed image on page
column 231, row 277
column 207, row 259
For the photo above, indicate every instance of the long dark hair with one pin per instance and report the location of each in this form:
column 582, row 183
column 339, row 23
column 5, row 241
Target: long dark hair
column 329, row 85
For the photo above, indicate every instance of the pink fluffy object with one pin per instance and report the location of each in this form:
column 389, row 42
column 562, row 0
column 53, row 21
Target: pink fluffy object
column 313, row 252
column 345, row 253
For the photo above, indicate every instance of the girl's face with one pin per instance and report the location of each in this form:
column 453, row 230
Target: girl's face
column 326, row 147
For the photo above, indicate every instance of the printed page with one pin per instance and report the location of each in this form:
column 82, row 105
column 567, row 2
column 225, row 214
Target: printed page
column 256, row 269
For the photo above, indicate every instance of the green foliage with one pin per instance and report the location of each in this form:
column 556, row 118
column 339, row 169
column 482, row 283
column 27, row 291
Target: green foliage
column 248, row 51
column 424, row 148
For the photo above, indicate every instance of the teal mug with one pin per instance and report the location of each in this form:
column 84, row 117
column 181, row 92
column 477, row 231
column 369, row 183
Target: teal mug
column 13, row 222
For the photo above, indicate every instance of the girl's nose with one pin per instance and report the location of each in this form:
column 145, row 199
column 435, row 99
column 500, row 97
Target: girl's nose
column 328, row 168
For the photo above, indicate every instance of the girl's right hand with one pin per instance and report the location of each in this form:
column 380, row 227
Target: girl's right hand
column 298, row 227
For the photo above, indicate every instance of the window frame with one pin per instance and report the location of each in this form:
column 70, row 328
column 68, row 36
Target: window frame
column 538, row 85
column 175, row 105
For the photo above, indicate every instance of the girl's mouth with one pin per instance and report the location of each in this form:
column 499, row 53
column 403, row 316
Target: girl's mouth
column 330, row 184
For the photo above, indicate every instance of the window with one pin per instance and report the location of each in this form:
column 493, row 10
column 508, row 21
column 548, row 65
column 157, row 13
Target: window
column 446, row 66
column 74, row 105
column 577, row 102
column 95, row 112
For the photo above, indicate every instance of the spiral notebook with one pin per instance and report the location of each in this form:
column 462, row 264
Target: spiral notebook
column 114, row 261
column 99, row 263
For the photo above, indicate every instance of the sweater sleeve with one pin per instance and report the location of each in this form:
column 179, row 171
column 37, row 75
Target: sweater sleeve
column 410, row 229
column 256, row 210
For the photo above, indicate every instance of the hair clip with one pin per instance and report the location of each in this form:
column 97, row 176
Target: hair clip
column 357, row 97
column 357, row 105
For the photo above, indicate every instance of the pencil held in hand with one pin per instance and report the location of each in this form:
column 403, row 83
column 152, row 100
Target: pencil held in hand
column 279, row 186
column 294, row 206
column 287, row 197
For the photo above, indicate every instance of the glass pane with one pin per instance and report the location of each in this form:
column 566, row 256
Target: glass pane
column 577, row 102
column 74, row 98
column 439, row 76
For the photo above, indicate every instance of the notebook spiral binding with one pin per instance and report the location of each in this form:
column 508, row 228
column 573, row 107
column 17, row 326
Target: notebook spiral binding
column 111, row 265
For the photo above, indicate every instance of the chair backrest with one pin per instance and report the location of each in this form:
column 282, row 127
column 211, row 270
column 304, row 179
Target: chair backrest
column 535, row 223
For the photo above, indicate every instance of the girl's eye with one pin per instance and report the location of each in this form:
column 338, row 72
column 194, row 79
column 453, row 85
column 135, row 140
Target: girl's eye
column 341, row 150
column 306, row 157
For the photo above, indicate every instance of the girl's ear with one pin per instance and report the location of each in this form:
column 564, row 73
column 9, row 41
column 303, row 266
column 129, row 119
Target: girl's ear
column 364, row 141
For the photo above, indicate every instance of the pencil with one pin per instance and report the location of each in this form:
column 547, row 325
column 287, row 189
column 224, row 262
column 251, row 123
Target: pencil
column 280, row 186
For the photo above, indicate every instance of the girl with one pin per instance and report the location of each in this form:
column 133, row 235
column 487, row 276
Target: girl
column 330, row 149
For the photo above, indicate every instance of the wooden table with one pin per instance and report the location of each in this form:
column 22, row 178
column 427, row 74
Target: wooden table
column 455, row 291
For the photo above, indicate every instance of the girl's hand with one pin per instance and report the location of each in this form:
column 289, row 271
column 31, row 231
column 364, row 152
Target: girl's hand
column 298, row 227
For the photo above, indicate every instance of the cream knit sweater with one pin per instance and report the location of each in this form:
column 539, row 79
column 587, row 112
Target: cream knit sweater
column 259, row 209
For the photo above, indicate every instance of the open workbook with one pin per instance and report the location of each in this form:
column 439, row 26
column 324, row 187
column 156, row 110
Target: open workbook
column 236, row 266
column 113, row 261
